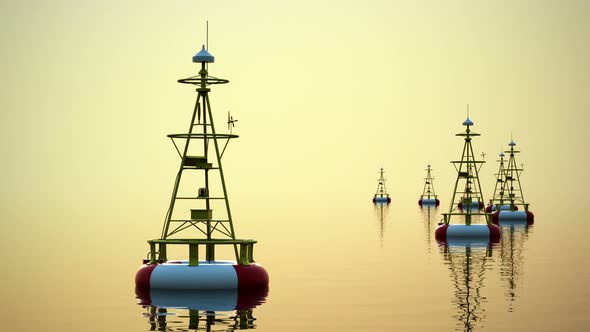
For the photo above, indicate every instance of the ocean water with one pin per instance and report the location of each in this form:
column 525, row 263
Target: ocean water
column 341, row 264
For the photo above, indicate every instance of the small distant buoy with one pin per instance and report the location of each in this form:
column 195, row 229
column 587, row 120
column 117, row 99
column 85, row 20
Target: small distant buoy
column 446, row 233
column 428, row 195
column 509, row 216
column 381, row 196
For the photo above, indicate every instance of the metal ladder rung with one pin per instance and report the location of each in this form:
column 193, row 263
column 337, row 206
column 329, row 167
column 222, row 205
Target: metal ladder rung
column 200, row 197
column 199, row 220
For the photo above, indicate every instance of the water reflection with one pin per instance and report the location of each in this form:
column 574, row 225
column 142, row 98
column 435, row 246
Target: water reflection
column 431, row 219
column 514, row 235
column 467, row 263
column 381, row 212
column 222, row 310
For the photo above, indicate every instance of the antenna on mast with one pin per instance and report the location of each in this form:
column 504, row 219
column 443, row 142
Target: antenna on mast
column 207, row 40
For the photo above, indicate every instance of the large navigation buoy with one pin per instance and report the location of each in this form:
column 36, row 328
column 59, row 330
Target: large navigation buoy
column 205, row 230
column 468, row 190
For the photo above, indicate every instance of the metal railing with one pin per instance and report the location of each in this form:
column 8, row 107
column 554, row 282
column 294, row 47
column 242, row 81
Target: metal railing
column 245, row 255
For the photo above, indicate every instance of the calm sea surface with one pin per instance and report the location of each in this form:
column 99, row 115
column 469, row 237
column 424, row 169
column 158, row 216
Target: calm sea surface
column 335, row 263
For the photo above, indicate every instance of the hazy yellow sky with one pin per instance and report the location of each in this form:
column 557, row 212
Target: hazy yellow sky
column 326, row 92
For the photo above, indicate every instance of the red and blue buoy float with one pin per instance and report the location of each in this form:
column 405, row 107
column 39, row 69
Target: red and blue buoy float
column 508, row 216
column 205, row 276
column 458, row 233
column 429, row 202
column 382, row 199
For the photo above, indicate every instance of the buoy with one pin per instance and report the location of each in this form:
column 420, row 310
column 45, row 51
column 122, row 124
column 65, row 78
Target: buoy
column 471, row 200
column 428, row 196
column 508, row 191
column 381, row 196
column 203, row 228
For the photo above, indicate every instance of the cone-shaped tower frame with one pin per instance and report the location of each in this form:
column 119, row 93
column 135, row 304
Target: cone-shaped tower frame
column 381, row 194
column 467, row 197
column 428, row 191
column 498, row 195
column 200, row 155
column 511, row 189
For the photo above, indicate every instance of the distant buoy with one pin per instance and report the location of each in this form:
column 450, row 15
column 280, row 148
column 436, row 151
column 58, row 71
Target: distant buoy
column 381, row 196
column 428, row 195
column 509, row 192
column 509, row 216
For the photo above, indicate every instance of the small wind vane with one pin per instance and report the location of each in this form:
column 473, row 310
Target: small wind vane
column 230, row 122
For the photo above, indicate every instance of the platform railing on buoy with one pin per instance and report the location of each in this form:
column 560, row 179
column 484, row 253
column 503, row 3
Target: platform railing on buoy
column 244, row 257
column 447, row 217
column 467, row 214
